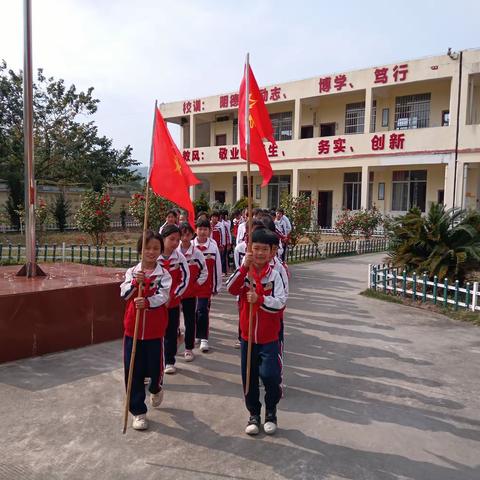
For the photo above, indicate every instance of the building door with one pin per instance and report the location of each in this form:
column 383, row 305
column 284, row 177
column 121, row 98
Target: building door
column 324, row 212
column 220, row 196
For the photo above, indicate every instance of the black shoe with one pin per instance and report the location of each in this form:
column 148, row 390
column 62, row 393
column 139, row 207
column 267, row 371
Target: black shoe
column 253, row 425
column 270, row 426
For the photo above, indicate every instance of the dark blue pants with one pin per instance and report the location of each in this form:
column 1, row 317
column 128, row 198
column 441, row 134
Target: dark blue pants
column 223, row 258
column 266, row 364
column 171, row 335
column 148, row 364
column 203, row 318
column 189, row 308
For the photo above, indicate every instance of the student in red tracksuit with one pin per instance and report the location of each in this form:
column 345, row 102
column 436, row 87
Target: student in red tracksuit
column 213, row 284
column 268, row 300
column 173, row 261
column 151, row 329
column 198, row 276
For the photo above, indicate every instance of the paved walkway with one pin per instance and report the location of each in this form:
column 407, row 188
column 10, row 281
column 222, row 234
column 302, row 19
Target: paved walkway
column 374, row 391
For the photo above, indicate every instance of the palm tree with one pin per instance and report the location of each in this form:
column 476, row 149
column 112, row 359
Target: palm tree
column 445, row 243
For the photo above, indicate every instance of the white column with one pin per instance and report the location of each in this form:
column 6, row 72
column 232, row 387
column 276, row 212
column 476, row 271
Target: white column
column 239, row 185
column 297, row 119
column 192, row 131
column 295, row 182
column 368, row 109
column 191, row 190
column 364, row 199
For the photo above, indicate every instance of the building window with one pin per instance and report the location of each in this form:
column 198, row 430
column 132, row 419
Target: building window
column 445, row 118
column 282, row 125
column 409, row 189
column 327, row 129
column 385, row 116
column 373, row 117
column 235, row 131
column 278, row 187
column 352, row 190
column 355, row 117
column 220, row 140
column 412, row 111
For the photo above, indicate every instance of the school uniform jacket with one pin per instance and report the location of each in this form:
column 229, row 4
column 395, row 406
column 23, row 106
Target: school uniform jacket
column 198, row 270
column 178, row 268
column 217, row 234
column 228, row 225
column 267, row 310
column 241, row 232
column 156, row 290
column 211, row 254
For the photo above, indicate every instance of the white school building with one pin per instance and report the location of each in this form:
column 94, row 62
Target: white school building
column 393, row 136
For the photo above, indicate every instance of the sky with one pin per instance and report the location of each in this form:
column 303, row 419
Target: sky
column 133, row 53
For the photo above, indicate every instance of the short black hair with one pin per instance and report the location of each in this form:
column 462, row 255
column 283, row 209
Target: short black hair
column 185, row 227
column 257, row 224
column 215, row 213
column 280, row 210
column 262, row 235
column 172, row 212
column 149, row 235
column 256, row 211
column 169, row 230
column 203, row 223
column 268, row 223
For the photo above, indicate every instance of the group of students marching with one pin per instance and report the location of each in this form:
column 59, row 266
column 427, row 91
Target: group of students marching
column 182, row 269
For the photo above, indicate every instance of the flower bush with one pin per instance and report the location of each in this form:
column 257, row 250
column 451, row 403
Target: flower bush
column 299, row 211
column 367, row 221
column 93, row 216
column 346, row 224
column 157, row 209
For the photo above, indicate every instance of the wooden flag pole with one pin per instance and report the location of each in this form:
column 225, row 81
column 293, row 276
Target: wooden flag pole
column 249, row 224
column 140, row 289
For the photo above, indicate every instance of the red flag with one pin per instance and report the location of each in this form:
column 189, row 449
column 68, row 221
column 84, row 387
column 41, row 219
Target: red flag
column 170, row 176
column 260, row 127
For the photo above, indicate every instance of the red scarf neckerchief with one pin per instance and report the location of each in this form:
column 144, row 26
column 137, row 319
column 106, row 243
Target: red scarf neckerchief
column 257, row 277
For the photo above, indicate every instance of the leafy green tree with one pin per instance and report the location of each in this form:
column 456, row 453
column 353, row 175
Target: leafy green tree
column 67, row 148
column 201, row 204
column 445, row 243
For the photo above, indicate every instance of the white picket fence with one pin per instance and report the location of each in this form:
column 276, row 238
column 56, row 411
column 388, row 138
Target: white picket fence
column 394, row 280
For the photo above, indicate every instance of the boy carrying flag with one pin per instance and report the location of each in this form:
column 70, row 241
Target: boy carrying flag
column 268, row 300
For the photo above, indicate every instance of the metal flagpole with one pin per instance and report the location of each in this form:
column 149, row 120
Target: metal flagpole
column 30, row 269
column 249, row 225
column 140, row 286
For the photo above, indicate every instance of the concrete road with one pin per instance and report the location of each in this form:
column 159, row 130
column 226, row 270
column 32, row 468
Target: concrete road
column 374, row 391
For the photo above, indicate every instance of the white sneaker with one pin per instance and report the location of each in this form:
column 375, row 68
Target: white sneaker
column 170, row 369
column 237, row 344
column 189, row 356
column 253, row 425
column 270, row 425
column 204, row 345
column 140, row 422
column 156, row 399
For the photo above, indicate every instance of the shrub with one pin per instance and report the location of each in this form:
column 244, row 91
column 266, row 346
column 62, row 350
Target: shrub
column 157, row 209
column 201, row 205
column 298, row 210
column 346, row 224
column 367, row 221
column 93, row 216
column 445, row 243
column 61, row 211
